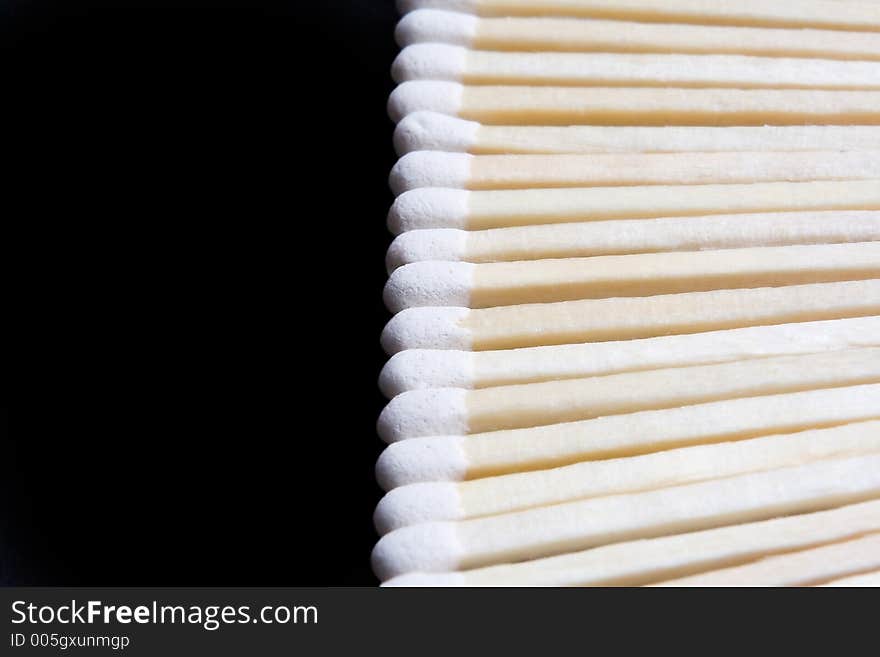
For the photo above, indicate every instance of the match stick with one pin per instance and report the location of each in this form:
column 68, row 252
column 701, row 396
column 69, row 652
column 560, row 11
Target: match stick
column 462, row 458
column 480, row 172
column 662, row 235
column 841, row 15
column 626, row 106
column 434, row 501
column 433, row 207
column 426, row 130
column 574, row 526
column 467, row 285
column 415, row 369
column 627, row 318
column 802, row 568
column 453, row 411
column 434, row 61
column 597, row 35
column 868, row 579
column 637, row 563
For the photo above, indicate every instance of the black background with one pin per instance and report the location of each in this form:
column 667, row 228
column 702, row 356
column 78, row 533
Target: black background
column 207, row 182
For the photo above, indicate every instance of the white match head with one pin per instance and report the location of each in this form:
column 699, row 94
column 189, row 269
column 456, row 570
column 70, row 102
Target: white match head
column 429, row 207
column 420, row 245
column 417, row 413
column 418, row 503
column 427, row 580
column 430, row 61
column 405, row 6
column 431, row 546
column 415, row 369
column 430, row 169
column 424, row 95
column 436, row 26
column 427, row 328
column 430, row 283
column 432, row 131
column 435, row 458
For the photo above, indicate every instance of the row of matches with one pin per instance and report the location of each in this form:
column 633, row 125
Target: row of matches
column 636, row 286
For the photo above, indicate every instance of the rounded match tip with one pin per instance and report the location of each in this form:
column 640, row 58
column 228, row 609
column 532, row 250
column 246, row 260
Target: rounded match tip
column 416, row 369
column 430, row 283
column 427, row 328
column 436, row 26
column 432, row 131
column 421, row 95
column 405, row 6
column 430, row 61
column 416, row 413
column 428, row 547
column 427, row 580
column 435, row 458
column 432, row 244
column 429, row 207
column 417, row 503
column 430, row 169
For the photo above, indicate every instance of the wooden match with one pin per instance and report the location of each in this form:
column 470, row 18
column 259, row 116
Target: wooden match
column 543, row 34
column 628, row 318
column 431, row 61
column 459, row 170
column 624, row 106
column 426, row 130
column 542, row 281
column 434, row 207
column 661, row 235
column 833, row 14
